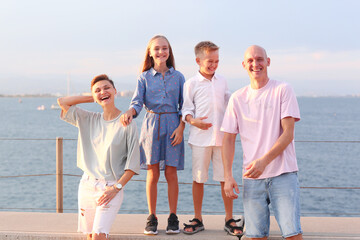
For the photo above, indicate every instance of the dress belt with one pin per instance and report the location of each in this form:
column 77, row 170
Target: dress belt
column 160, row 113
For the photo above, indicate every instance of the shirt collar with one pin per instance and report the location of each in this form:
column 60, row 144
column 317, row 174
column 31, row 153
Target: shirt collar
column 202, row 78
column 153, row 71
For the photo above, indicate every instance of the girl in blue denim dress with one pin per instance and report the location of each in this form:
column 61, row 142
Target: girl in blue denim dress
column 160, row 90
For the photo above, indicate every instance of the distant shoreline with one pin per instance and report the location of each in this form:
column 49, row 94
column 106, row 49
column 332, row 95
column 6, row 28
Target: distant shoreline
column 48, row 95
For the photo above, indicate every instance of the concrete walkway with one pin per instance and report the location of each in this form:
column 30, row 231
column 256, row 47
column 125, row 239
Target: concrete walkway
column 33, row 225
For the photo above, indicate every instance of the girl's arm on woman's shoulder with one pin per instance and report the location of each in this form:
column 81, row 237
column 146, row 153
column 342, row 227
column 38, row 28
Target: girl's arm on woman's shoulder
column 66, row 102
column 138, row 98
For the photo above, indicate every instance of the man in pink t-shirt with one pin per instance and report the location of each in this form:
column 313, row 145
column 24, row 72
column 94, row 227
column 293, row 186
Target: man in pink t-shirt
column 264, row 114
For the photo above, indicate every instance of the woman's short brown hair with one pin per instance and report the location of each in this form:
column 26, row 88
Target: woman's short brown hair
column 101, row 77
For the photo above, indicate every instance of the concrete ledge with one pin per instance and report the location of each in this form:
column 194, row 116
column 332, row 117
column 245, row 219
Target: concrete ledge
column 54, row 226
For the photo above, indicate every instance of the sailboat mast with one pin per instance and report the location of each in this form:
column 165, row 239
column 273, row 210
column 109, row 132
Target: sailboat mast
column 68, row 84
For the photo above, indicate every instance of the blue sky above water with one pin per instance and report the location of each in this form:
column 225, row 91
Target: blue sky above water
column 313, row 45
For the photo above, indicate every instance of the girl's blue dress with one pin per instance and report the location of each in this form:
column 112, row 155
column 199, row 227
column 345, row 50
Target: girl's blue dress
column 162, row 98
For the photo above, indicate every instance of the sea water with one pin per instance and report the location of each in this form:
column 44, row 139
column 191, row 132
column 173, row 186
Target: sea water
column 325, row 156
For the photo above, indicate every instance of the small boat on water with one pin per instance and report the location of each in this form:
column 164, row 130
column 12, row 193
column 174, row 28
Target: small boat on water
column 41, row 108
column 55, row 106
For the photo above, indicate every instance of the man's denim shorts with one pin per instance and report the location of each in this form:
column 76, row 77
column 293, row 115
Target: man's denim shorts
column 283, row 193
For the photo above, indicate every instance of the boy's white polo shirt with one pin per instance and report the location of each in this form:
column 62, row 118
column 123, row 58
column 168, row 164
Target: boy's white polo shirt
column 206, row 98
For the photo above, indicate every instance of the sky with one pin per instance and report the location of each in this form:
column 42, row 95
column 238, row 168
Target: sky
column 313, row 44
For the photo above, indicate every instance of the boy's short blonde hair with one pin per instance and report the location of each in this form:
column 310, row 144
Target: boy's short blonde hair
column 205, row 47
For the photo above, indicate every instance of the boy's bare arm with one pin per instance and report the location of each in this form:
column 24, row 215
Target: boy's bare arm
column 198, row 122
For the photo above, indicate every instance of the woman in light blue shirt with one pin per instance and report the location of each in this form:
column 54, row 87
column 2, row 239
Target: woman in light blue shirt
column 107, row 152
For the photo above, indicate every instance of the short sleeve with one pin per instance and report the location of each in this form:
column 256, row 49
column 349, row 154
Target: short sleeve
column 230, row 121
column 133, row 149
column 289, row 104
column 74, row 115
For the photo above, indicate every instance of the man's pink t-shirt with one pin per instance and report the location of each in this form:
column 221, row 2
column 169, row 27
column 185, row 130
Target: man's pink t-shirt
column 256, row 114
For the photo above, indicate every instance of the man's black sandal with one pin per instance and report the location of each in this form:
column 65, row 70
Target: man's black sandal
column 231, row 229
column 199, row 226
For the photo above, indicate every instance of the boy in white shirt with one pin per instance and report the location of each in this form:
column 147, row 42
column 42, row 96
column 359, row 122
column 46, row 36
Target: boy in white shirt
column 205, row 100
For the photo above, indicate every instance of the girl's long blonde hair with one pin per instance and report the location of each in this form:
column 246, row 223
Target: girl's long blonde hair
column 149, row 62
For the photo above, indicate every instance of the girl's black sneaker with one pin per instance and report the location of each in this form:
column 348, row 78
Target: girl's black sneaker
column 151, row 225
column 173, row 224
